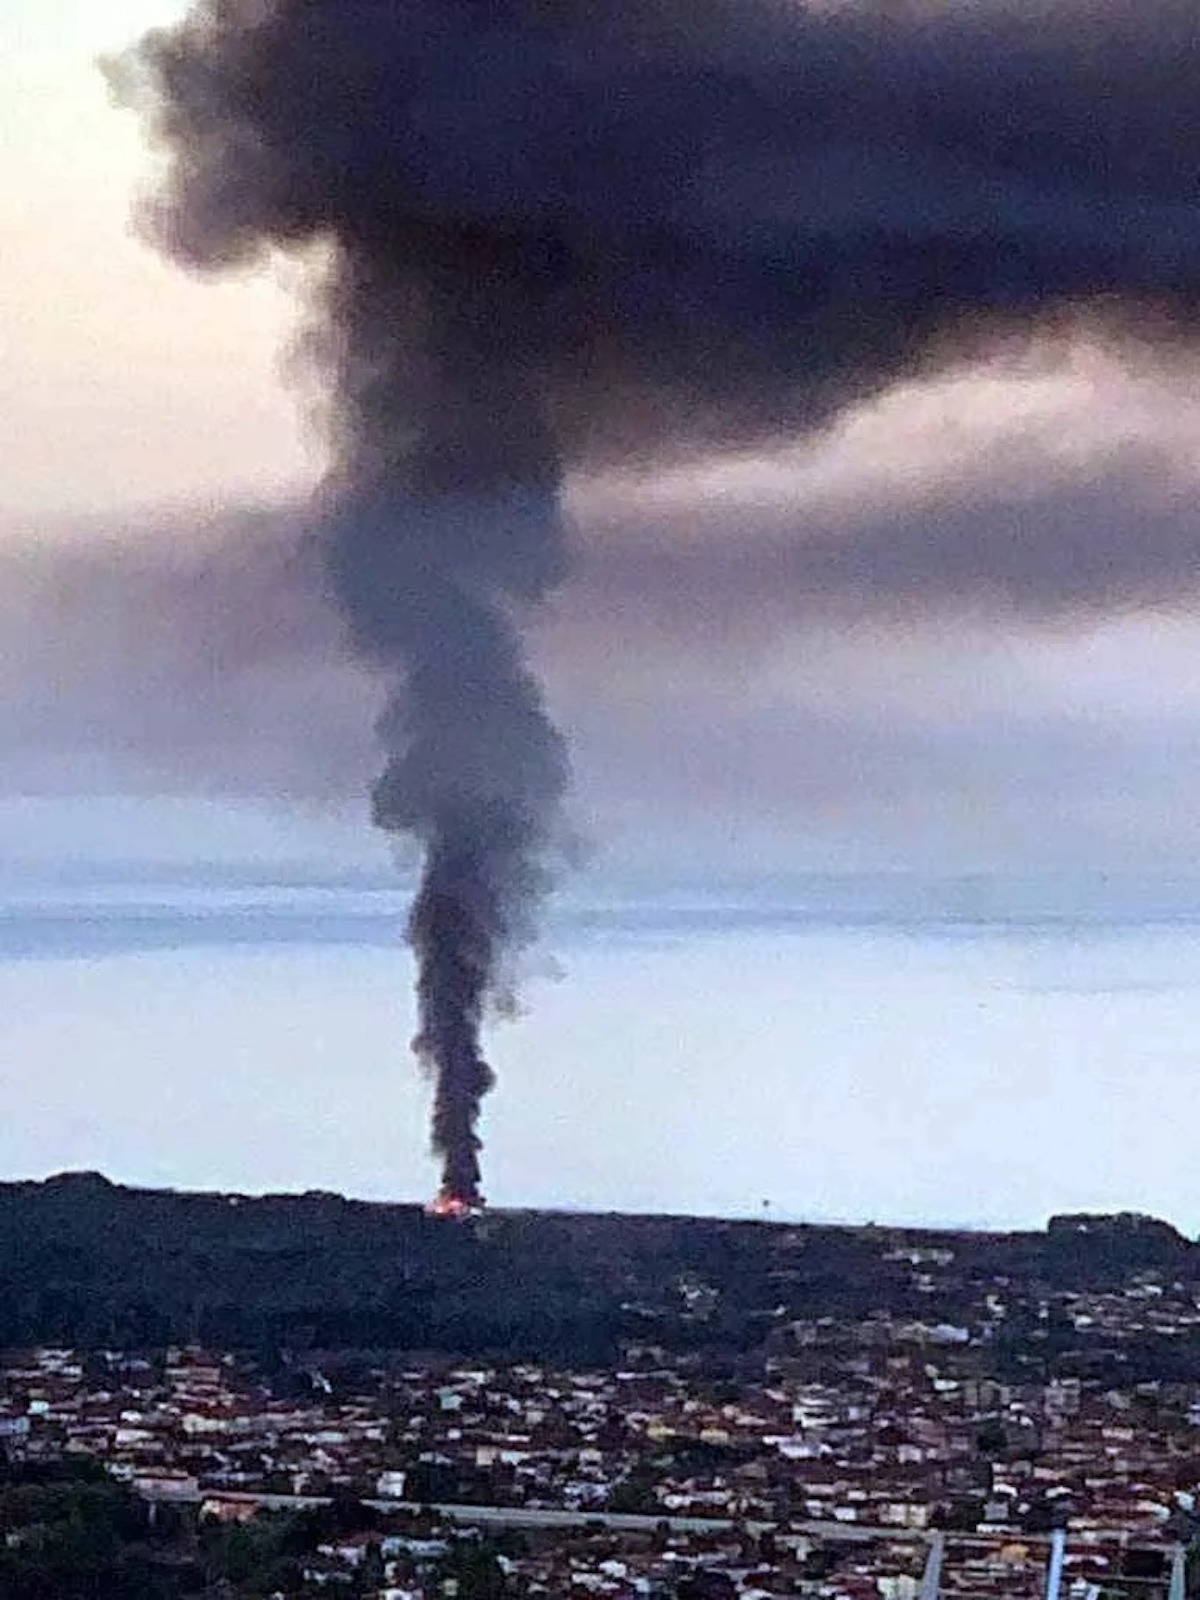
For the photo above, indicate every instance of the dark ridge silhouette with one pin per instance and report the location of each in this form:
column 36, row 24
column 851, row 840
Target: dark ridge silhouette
column 87, row 1262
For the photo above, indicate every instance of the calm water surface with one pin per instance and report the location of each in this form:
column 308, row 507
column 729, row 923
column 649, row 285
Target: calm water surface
column 854, row 1048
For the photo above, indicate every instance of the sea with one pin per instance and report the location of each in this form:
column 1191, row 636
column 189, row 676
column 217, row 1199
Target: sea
column 969, row 1051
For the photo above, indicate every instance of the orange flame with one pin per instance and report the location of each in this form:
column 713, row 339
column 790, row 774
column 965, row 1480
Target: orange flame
column 455, row 1206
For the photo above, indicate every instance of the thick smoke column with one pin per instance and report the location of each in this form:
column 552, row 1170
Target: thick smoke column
column 440, row 522
column 560, row 232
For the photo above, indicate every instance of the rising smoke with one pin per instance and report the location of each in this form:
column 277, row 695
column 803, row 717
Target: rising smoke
column 556, row 233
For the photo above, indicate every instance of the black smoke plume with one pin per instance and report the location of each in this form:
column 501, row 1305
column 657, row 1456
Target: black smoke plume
column 557, row 232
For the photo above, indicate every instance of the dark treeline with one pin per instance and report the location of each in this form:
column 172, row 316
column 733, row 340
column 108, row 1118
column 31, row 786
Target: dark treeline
column 88, row 1263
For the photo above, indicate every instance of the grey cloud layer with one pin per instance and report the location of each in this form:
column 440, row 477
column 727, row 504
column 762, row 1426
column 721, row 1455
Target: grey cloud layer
column 207, row 659
column 177, row 654
column 1011, row 544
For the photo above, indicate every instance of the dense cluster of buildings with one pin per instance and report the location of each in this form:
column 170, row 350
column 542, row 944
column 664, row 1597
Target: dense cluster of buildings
column 822, row 1469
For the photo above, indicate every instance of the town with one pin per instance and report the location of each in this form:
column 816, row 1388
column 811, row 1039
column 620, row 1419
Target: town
column 828, row 1462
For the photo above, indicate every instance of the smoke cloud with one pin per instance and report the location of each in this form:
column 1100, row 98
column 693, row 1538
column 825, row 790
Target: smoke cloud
column 555, row 235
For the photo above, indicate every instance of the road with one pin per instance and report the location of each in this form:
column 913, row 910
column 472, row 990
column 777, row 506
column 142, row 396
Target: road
column 631, row 1522
column 544, row 1517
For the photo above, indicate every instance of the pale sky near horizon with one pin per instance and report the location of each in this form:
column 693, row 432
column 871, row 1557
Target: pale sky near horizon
column 124, row 383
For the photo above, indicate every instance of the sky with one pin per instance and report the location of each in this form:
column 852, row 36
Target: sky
column 174, row 688
column 117, row 367
column 714, row 713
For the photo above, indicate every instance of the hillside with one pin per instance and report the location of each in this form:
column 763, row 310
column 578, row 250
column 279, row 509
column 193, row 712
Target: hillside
column 87, row 1262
